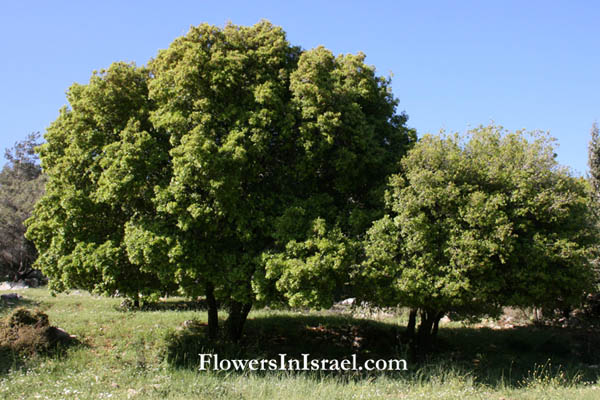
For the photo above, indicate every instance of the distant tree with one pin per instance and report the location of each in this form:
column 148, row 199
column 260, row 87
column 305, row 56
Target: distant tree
column 594, row 181
column 476, row 223
column 21, row 185
column 198, row 169
column 594, row 163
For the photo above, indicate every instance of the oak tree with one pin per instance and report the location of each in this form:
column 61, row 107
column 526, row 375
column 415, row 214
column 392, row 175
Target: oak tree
column 479, row 222
column 223, row 152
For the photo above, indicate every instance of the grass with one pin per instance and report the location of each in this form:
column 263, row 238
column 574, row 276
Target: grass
column 148, row 355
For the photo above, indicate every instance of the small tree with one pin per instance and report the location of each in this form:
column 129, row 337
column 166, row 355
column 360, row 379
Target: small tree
column 477, row 223
column 21, row 185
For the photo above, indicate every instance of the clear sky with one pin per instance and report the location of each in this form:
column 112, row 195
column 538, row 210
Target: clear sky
column 455, row 64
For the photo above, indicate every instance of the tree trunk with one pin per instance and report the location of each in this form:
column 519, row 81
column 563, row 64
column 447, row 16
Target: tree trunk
column 436, row 323
column 412, row 323
column 238, row 312
column 425, row 331
column 213, row 312
column 425, row 326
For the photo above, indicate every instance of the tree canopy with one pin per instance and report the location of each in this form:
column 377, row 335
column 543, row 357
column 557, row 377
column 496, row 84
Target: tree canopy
column 223, row 153
column 479, row 222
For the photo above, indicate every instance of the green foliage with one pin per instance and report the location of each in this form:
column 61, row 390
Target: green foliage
column 220, row 155
column 594, row 163
column 102, row 158
column 21, row 185
column 311, row 272
column 349, row 141
column 479, row 222
column 594, row 181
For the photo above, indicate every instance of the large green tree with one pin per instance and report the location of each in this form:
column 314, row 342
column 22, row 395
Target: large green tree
column 21, row 185
column 199, row 169
column 479, row 222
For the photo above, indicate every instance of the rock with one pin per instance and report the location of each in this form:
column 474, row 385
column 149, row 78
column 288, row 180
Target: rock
column 348, row 302
column 445, row 320
column 13, row 285
column 60, row 335
column 11, row 296
column 193, row 324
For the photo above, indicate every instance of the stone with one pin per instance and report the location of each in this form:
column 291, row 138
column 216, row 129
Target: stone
column 348, row 302
column 13, row 285
column 11, row 296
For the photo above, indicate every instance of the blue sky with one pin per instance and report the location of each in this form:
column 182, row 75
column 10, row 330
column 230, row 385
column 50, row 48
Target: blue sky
column 455, row 64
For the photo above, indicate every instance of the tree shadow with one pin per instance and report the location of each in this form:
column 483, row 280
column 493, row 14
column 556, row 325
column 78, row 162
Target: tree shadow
column 494, row 357
column 167, row 305
column 266, row 337
column 514, row 356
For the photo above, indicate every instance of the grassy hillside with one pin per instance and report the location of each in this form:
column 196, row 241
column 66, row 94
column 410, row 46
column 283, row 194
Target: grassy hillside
column 153, row 354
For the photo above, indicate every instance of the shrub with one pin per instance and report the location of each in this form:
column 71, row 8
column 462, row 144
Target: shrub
column 27, row 333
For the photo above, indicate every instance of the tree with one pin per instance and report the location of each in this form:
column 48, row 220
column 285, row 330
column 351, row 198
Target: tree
column 21, row 185
column 198, row 169
column 477, row 223
column 594, row 163
column 594, row 181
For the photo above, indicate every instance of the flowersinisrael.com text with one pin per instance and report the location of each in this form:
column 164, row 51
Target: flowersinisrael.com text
column 212, row 362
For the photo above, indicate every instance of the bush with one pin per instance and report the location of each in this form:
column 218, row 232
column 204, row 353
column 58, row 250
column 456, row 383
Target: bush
column 27, row 333
column 22, row 316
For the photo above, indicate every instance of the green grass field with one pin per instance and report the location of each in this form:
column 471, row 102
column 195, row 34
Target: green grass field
column 149, row 355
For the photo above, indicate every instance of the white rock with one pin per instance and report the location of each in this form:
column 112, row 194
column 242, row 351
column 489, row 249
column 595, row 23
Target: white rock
column 348, row 302
column 13, row 285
